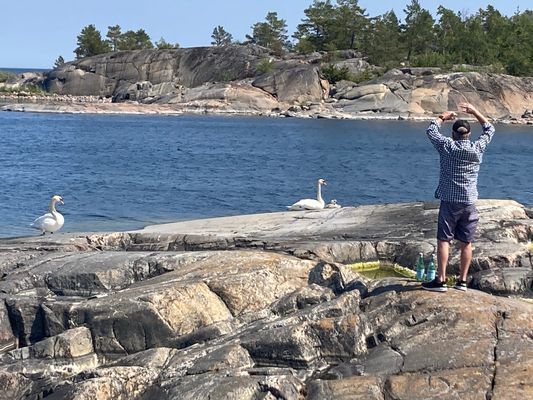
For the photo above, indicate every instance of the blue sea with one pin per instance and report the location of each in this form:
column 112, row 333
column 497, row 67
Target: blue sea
column 19, row 71
column 121, row 172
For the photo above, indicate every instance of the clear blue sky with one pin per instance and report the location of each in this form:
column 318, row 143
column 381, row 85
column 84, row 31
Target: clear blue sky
column 34, row 33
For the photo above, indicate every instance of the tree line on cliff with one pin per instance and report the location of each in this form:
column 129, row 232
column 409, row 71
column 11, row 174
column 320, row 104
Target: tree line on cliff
column 485, row 38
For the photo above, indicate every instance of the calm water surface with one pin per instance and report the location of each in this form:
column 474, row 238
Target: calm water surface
column 125, row 172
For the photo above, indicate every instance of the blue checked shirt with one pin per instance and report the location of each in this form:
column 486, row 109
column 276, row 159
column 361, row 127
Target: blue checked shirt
column 459, row 164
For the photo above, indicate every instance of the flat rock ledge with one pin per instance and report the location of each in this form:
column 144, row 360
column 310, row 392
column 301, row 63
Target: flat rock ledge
column 263, row 307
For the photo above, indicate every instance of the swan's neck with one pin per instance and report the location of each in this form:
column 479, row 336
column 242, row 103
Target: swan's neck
column 319, row 193
column 52, row 207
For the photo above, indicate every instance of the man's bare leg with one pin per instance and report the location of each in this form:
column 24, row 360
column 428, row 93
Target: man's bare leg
column 443, row 250
column 466, row 259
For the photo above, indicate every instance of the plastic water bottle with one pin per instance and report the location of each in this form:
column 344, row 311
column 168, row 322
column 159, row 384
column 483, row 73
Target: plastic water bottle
column 420, row 268
column 431, row 269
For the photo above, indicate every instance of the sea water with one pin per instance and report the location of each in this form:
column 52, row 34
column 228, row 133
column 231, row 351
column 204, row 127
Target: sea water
column 120, row 172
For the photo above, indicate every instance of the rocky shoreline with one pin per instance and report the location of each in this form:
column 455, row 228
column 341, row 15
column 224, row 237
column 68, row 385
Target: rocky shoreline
column 264, row 307
column 91, row 105
column 250, row 80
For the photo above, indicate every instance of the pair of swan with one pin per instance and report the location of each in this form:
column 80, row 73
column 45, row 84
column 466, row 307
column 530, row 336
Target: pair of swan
column 51, row 221
column 312, row 204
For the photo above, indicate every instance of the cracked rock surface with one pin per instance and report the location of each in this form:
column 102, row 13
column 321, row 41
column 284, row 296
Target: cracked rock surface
column 263, row 307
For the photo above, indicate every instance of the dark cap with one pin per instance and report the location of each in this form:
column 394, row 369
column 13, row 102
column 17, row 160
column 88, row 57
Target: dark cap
column 461, row 127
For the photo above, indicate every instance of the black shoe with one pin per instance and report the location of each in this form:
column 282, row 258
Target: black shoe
column 435, row 286
column 461, row 285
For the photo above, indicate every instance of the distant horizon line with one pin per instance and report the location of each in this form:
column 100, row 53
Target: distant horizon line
column 24, row 69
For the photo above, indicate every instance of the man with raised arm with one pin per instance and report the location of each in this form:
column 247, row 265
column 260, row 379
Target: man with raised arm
column 460, row 159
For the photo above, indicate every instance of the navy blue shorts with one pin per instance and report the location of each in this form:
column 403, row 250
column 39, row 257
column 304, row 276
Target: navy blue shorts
column 457, row 221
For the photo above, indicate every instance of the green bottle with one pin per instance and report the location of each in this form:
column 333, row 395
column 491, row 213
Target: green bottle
column 420, row 268
column 431, row 269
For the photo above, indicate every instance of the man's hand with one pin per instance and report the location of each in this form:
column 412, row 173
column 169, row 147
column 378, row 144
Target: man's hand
column 448, row 116
column 468, row 108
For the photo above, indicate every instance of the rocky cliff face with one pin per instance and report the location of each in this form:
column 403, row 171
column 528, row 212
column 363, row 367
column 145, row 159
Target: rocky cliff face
column 112, row 73
column 199, row 310
column 166, row 75
column 249, row 79
column 422, row 92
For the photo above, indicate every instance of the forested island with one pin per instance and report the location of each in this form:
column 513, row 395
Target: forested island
column 339, row 63
column 487, row 38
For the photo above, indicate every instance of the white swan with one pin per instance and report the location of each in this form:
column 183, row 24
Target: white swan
column 311, row 204
column 51, row 221
column 333, row 204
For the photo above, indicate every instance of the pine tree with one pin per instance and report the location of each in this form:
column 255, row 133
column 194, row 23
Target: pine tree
column 450, row 33
column 316, row 31
column 131, row 40
column 90, row 43
column 475, row 46
column 221, row 37
column 113, row 36
column 271, row 34
column 59, row 62
column 382, row 39
column 518, row 59
column 163, row 44
column 418, row 30
column 497, row 29
column 350, row 23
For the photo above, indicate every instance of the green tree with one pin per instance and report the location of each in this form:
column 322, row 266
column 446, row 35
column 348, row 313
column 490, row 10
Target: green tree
column 382, row 42
column 418, row 30
column 221, row 37
column 450, row 34
column 131, row 40
column 316, row 31
column 163, row 44
column 518, row 59
column 497, row 30
column 474, row 43
column 59, row 62
column 332, row 27
column 113, row 36
column 127, row 41
column 334, row 74
column 90, row 43
column 271, row 34
column 349, row 24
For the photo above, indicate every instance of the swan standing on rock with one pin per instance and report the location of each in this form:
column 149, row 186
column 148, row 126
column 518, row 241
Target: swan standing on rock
column 311, row 204
column 51, row 221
